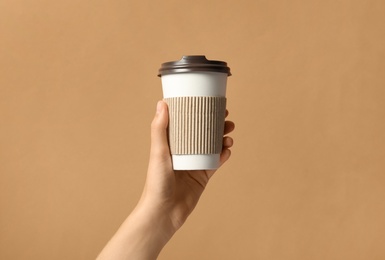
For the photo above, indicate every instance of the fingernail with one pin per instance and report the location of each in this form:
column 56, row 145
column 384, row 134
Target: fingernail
column 158, row 107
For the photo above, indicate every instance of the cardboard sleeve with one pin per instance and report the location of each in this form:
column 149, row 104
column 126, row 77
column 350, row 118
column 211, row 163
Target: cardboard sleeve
column 196, row 124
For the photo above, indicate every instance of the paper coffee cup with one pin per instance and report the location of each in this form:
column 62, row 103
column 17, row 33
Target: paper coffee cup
column 195, row 90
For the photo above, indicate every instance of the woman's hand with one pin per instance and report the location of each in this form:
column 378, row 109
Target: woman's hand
column 167, row 200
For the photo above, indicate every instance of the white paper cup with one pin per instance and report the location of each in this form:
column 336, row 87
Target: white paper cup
column 195, row 90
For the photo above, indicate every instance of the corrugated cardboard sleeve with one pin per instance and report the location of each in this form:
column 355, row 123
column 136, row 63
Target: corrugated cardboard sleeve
column 196, row 124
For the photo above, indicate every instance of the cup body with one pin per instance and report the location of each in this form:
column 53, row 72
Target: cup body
column 197, row 106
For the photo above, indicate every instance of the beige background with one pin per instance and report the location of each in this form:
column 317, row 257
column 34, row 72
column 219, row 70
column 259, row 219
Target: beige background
column 78, row 89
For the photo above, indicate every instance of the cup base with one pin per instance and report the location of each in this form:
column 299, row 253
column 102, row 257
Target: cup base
column 196, row 162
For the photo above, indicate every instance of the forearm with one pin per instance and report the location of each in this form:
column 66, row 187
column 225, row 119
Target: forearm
column 141, row 236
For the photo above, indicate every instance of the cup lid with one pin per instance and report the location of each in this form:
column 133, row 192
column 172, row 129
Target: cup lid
column 193, row 63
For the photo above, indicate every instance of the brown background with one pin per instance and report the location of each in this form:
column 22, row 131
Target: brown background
column 78, row 89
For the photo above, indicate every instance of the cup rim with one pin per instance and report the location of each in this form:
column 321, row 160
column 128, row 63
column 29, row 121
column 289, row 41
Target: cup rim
column 193, row 63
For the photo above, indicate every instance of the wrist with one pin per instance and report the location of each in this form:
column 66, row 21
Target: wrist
column 141, row 236
column 155, row 218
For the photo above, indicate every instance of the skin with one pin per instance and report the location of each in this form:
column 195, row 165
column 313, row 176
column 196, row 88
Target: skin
column 167, row 200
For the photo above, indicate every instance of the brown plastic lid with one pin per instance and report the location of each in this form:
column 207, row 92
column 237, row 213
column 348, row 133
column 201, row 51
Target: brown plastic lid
column 193, row 63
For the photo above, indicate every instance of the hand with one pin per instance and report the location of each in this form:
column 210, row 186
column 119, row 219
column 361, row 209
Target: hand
column 167, row 200
column 175, row 192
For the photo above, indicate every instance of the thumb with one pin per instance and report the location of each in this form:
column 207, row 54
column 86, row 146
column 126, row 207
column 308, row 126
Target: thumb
column 160, row 151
